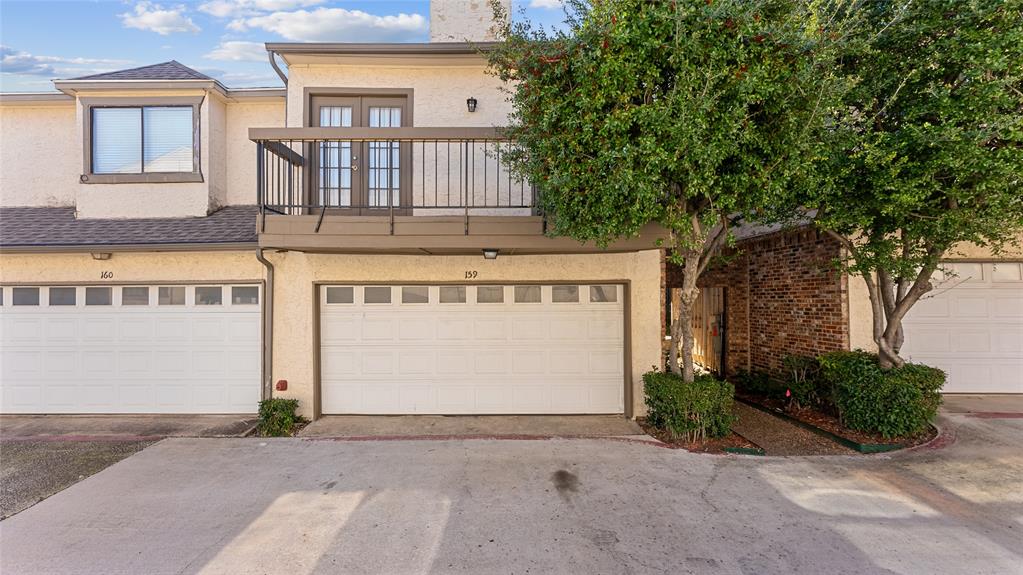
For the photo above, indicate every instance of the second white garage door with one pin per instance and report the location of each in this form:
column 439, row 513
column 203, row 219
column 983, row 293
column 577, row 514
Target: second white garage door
column 971, row 326
column 511, row 349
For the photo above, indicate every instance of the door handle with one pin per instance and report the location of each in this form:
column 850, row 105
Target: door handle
column 355, row 163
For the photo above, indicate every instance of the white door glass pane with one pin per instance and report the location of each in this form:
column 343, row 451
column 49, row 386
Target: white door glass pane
column 335, row 170
column 172, row 295
column 384, row 160
column 99, row 296
column 603, row 294
column 208, row 296
column 25, row 296
column 340, row 294
column 62, row 296
column 167, row 134
column 415, row 294
column 452, row 294
column 117, row 140
column 135, row 296
column 377, row 294
column 565, row 294
column 244, row 295
column 527, row 294
column 490, row 294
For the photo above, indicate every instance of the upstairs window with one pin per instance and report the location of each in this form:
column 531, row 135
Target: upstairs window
column 143, row 139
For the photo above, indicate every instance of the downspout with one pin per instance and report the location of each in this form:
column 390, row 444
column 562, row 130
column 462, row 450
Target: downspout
column 268, row 325
column 273, row 62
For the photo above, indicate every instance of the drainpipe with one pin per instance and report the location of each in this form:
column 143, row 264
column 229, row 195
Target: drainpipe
column 273, row 62
column 268, row 325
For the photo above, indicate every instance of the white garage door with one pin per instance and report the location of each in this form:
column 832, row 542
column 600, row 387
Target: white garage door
column 130, row 349
column 472, row 349
column 971, row 326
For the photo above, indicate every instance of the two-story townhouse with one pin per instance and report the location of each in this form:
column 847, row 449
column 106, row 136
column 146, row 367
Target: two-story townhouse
column 352, row 240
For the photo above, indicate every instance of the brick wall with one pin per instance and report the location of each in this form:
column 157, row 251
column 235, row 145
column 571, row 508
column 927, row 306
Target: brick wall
column 782, row 297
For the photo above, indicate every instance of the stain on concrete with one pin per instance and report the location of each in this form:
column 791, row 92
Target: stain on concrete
column 565, row 482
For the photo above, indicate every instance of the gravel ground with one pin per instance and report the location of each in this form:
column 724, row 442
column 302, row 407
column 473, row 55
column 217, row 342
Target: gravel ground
column 34, row 470
column 779, row 437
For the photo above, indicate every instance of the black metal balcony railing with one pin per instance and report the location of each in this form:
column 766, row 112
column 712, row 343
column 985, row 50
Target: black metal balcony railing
column 387, row 172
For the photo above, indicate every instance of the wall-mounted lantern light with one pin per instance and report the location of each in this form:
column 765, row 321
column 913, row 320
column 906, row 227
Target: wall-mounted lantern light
column 101, row 256
column 471, row 103
column 490, row 253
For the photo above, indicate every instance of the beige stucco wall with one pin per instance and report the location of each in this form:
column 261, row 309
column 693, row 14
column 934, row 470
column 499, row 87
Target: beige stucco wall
column 860, row 314
column 439, row 93
column 240, row 152
column 38, row 161
column 463, row 20
column 126, row 267
column 216, row 170
column 294, row 310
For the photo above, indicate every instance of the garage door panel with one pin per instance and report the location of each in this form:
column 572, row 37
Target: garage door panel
column 980, row 343
column 463, row 358
column 130, row 358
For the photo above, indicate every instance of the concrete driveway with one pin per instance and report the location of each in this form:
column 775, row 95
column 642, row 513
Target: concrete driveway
column 41, row 455
column 301, row 506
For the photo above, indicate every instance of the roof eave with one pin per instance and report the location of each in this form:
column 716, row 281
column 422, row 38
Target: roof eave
column 72, row 87
column 390, row 48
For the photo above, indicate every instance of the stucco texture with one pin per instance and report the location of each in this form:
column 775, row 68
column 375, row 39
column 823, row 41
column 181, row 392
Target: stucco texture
column 126, row 267
column 240, row 152
column 295, row 344
column 39, row 156
column 439, row 93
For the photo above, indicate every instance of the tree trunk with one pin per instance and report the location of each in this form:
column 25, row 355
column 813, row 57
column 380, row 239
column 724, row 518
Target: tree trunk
column 685, row 319
column 676, row 333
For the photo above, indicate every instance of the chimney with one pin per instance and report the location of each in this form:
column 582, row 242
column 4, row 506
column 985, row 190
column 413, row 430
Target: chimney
column 463, row 20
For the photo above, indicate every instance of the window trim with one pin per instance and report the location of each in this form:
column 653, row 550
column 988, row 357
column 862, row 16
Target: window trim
column 195, row 176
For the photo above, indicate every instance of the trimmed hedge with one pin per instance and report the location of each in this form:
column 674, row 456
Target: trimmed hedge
column 277, row 417
column 897, row 402
column 689, row 411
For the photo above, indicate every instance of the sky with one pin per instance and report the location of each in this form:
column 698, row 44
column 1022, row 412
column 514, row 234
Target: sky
column 41, row 40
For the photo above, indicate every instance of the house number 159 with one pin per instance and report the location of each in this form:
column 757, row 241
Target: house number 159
column 470, row 274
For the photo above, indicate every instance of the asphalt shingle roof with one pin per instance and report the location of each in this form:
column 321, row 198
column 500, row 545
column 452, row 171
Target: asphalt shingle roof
column 172, row 70
column 50, row 227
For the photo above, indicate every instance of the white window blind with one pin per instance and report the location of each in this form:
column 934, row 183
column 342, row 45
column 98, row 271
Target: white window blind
column 116, row 140
column 145, row 139
column 167, row 145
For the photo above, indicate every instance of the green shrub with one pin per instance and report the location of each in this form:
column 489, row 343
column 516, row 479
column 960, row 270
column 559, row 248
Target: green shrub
column 802, row 382
column 277, row 417
column 760, row 383
column 894, row 403
column 690, row 411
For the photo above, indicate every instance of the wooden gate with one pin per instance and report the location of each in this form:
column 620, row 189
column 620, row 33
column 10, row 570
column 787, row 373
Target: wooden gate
column 708, row 328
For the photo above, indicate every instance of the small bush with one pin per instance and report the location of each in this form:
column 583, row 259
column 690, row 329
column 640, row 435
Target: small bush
column 760, row 383
column 894, row 403
column 689, row 411
column 277, row 417
column 802, row 385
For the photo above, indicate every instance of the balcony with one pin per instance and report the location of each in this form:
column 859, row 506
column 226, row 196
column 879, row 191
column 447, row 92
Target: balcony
column 399, row 190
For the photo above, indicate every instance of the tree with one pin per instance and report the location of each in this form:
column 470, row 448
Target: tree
column 689, row 113
column 926, row 150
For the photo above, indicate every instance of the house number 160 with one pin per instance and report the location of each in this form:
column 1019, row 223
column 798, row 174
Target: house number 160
column 106, row 275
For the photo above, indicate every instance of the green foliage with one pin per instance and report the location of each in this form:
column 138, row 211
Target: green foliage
column 661, row 111
column 277, row 417
column 926, row 149
column 760, row 383
column 802, row 384
column 691, row 411
column 894, row 403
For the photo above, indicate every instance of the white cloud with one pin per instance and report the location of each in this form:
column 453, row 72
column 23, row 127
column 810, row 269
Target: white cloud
column 17, row 62
column 156, row 18
column 239, row 8
column 550, row 4
column 337, row 25
column 238, row 50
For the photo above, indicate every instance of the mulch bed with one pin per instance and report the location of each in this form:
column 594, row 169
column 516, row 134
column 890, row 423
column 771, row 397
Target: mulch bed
column 710, row 445
column 831, row 423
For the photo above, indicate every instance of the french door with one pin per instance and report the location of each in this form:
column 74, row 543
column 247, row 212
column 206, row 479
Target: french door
column 361, row 177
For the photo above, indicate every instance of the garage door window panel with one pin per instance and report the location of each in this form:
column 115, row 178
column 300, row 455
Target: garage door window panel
column 206, row 295
column 134, row 296
column 603, row 294
column 377, row 294
column 452, row 294
column 527, row 294
column 244, row 295
column 565, row 294
column 490, row 294
column 25, row 296
column 415, row 294
column 99, row 296
column 61, row 296
column 341, row 295
column 171, row 295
